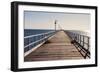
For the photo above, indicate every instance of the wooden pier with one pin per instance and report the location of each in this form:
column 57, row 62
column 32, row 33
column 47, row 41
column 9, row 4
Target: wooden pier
column 59, row 47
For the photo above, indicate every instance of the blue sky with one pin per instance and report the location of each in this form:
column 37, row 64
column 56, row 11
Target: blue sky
column 45, row 20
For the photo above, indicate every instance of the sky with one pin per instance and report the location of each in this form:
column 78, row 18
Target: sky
column 66, row 21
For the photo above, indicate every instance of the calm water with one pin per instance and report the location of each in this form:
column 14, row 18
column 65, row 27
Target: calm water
column 29, row 32
column 80, row 32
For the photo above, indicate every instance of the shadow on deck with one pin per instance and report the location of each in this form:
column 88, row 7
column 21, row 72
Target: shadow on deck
column 59, row 47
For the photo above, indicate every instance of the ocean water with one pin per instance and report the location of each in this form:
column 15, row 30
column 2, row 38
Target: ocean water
column 29, row 32
column 80, row 32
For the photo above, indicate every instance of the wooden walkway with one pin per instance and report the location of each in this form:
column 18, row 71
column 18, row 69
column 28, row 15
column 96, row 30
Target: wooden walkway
column 59, row 47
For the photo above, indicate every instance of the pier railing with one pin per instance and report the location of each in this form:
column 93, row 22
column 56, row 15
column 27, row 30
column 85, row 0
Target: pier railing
column 34, row 40
column 81, row 42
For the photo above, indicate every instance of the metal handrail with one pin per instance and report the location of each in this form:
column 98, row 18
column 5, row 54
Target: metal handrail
column 79, row 40
column 44, row 36
column 36, row 35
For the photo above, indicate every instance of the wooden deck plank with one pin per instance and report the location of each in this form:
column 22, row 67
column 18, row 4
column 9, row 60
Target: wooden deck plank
column 56, row 48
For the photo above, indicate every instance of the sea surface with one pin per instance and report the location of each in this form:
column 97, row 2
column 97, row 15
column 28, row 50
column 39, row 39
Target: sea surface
column 80, row 32
column 29, row 32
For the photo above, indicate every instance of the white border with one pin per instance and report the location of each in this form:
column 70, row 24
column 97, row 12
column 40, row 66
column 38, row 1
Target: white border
column 22, row 64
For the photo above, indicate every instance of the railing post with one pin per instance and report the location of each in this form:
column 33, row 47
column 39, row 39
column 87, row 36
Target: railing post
column 88, row 43
column 80, row 39
column 33, row 40
column 83, row 41
column 77, row 37
column 74, row 36
column 28, row 43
